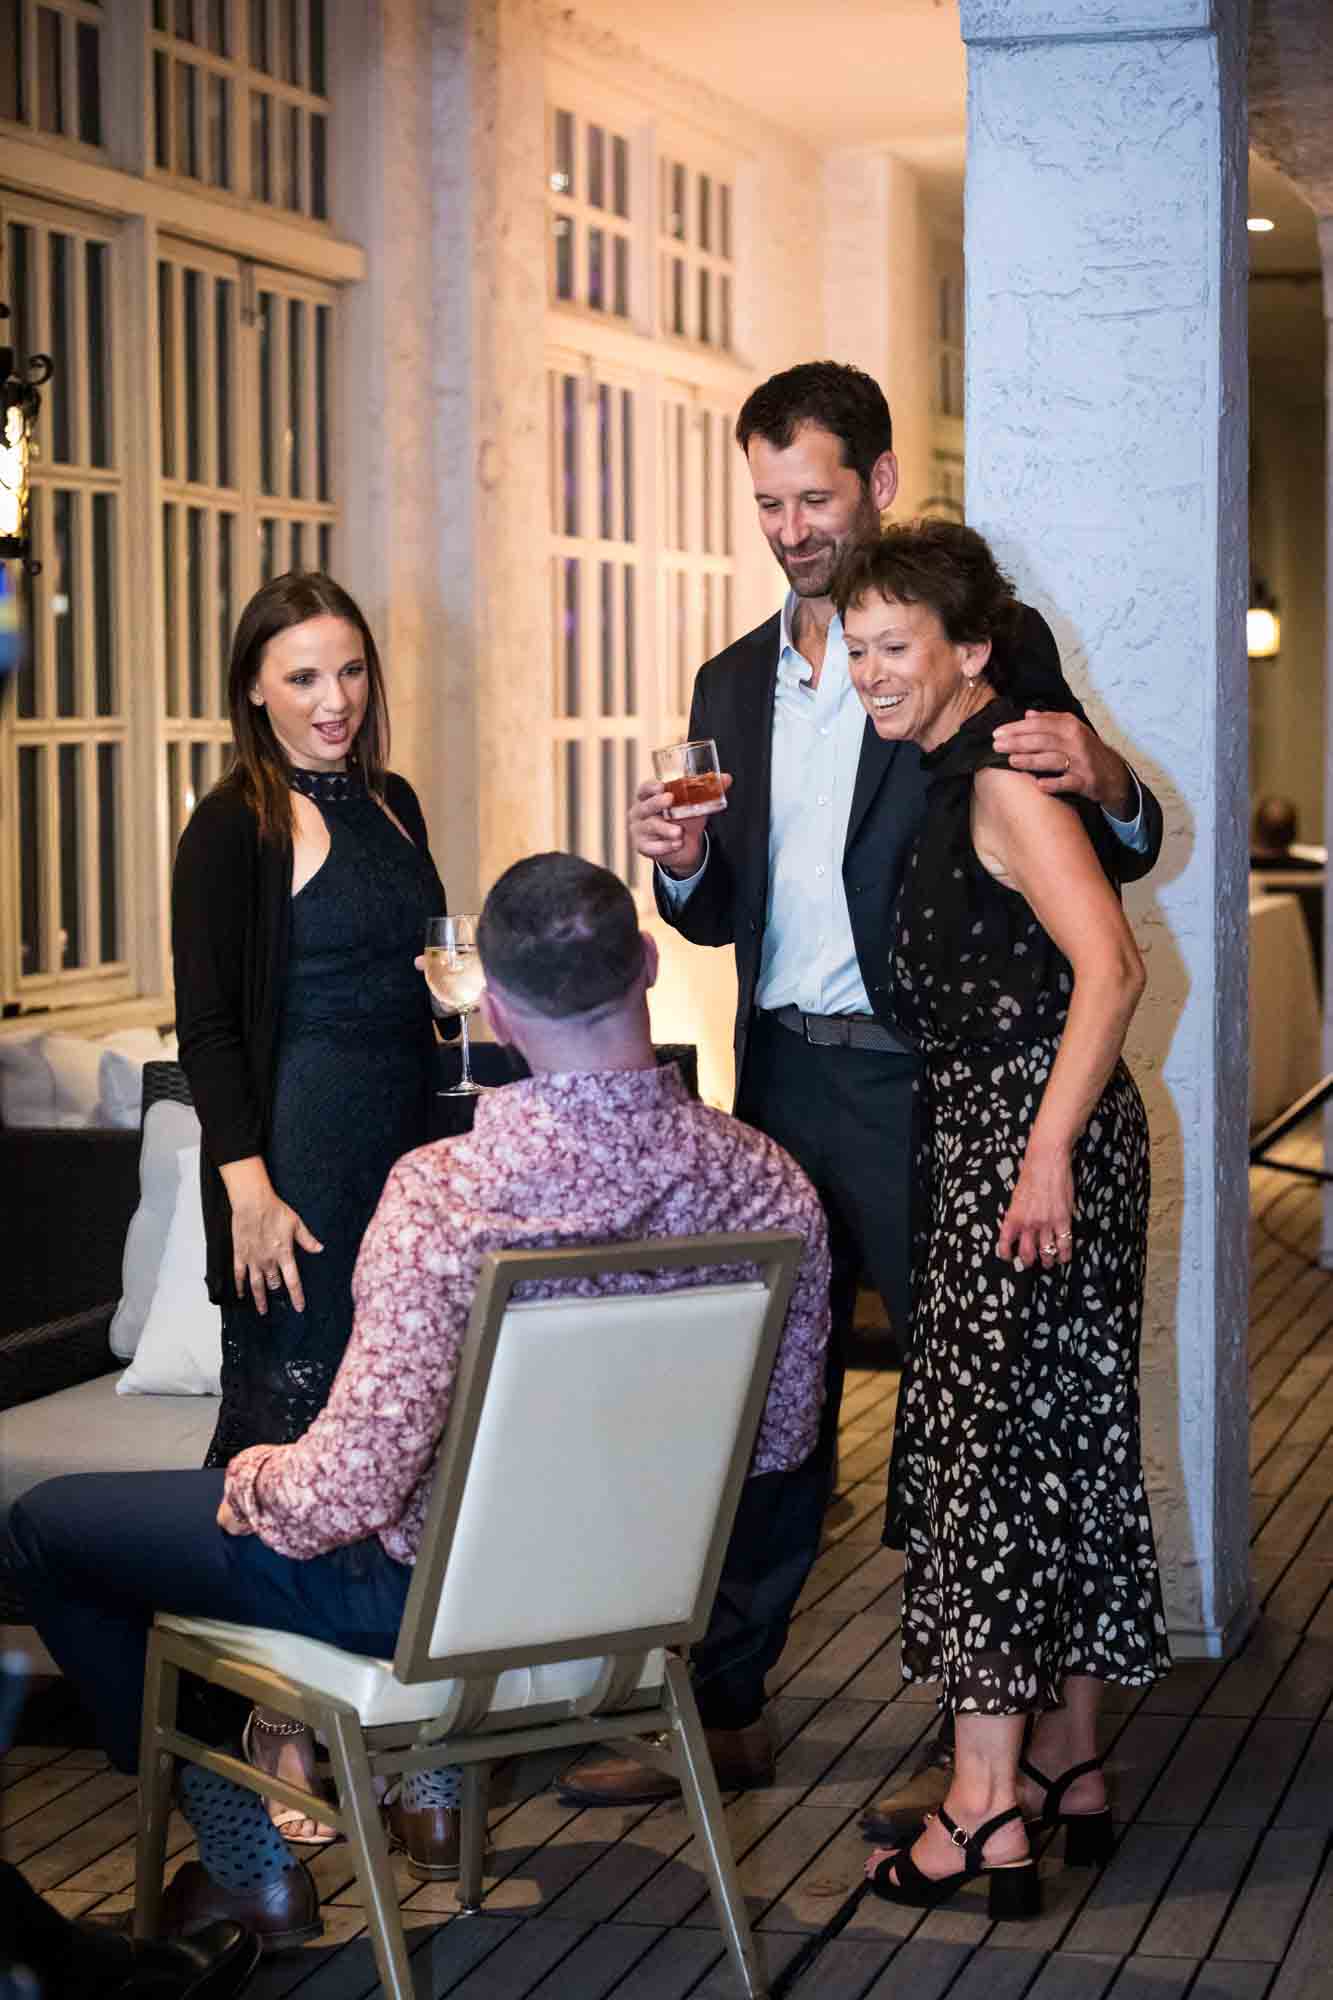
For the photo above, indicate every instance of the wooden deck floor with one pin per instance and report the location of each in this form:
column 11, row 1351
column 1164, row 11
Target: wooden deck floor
column 1222, row 1887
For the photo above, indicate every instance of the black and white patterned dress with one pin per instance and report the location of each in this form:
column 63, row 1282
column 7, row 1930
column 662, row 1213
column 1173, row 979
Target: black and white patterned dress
column 1016, row 1487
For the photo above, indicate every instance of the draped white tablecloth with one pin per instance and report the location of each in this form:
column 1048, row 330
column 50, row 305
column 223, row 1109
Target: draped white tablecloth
column 1285, row 1025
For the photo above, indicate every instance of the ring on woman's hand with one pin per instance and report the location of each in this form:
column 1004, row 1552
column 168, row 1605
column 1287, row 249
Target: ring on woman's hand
column 1049, row 1249
column 274, row 1282
column 1065, row 1236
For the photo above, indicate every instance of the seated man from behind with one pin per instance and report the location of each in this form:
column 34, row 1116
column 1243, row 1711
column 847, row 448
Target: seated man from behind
column 318, row 1537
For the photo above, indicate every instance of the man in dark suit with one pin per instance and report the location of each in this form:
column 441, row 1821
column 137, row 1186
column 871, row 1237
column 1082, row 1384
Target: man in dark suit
column 800, row 875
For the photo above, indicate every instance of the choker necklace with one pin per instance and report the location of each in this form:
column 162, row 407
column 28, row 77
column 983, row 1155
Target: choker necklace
column 328, row 788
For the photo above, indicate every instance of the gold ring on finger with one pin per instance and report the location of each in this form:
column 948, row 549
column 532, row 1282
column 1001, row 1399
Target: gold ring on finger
column 1065, row 1236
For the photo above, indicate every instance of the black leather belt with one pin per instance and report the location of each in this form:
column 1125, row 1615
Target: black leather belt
column 839, row 1031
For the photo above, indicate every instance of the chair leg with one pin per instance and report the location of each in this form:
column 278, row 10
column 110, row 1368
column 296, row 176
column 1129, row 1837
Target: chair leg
column 370, row 1850
column 704, row 1804
column 161, row 1688
column 472, row 1835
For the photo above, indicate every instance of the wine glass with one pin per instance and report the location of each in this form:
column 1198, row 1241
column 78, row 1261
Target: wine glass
column 455, row 977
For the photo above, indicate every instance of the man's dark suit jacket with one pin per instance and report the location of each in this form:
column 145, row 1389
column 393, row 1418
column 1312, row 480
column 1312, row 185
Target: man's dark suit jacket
column 733, row 702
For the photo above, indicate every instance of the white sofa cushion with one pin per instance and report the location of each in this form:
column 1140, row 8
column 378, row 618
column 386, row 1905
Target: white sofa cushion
column 89, row 1429
column 27, row 1082
column 180, row 1349
column 168, row 1129
column 369, row 1684
column 120, row 1075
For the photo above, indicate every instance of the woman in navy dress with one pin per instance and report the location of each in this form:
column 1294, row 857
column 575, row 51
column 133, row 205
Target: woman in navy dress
column 302, row 887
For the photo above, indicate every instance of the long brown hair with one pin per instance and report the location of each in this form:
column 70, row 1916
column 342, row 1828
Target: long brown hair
column 260, row 767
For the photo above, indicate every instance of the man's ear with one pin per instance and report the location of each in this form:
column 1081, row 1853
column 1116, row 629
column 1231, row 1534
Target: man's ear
column 884, row 481
column 493, row 1013
column 652, row 959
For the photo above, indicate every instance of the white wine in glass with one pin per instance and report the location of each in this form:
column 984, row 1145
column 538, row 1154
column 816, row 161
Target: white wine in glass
column 455, row 977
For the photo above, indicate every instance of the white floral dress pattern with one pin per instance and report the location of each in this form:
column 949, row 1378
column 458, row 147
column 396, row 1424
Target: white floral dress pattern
column 1016, row 1488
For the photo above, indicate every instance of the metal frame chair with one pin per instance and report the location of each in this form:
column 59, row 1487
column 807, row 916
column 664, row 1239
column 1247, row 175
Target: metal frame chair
column 483, row 1670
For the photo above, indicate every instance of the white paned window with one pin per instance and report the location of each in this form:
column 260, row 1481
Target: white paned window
column 588, row 202
column 597, row 587
column 246, row 471
column 240, row 98
column 949, row 336
column 51, row 59
column 65, row 735
column 695, row 284
column 947, row 486
column 696, row 564
column 184, row 451
column 641, row 391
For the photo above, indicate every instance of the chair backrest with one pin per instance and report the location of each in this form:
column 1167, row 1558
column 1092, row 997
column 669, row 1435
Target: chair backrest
column 589, row 1472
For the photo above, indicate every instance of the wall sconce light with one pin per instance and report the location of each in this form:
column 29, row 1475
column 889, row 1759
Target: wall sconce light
column 1263, row 627
column 19, row 405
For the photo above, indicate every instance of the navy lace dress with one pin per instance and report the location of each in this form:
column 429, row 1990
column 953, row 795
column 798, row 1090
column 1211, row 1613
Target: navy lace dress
column 1016, row 1487
column 351, row 1096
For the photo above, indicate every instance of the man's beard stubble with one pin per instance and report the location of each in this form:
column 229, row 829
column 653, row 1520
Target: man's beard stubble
column 815, row 579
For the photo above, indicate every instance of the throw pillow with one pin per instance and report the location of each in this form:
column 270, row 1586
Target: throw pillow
column 75, row 1061
column 167, row 1130
column 120, row 1075
column 180, row 1349
column 27, row 1083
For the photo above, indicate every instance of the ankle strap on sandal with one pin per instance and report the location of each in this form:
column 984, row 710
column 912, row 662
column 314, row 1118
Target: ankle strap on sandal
column 1055, row 1788
column 277, row 1728
column 973, row 1843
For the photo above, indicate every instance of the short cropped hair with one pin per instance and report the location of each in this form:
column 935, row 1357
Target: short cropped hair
column 561, row 935
column 840, row 399
column 946, row 566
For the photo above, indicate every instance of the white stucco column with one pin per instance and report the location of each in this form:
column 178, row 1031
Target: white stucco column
column 878, row 295
column 486, row 394
column 443, row 410
column 1106, row 440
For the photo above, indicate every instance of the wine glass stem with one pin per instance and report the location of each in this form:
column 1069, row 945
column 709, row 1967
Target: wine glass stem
column 466, row 1078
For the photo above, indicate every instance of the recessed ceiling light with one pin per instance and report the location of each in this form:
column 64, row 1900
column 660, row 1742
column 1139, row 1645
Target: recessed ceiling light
column 1259, row 225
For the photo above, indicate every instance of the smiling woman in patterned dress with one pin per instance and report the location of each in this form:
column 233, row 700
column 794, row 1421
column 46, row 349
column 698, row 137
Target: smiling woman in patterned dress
column 1016, row 1487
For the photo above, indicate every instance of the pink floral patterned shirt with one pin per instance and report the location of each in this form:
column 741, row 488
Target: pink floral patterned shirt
column 552, row 1162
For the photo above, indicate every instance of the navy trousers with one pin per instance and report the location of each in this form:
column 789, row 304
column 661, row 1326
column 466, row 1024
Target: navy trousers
column 845, row 1116
column 96, row 1554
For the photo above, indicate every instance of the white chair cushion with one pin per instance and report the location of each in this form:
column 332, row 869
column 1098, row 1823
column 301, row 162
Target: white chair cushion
column 90, row 1429
column 369, row 1685
column 168, row 1130
column 180, row 1349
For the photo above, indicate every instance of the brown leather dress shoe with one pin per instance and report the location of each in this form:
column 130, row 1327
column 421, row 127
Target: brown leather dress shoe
column 214, row 1964
column 897, row 1818
column 280, row 1913
column 429, row 1836
column 742, row 1761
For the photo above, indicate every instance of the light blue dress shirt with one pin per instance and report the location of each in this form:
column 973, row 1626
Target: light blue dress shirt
column 809, row 955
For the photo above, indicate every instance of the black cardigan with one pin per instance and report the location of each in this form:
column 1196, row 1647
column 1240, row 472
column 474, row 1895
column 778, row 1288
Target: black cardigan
column 231, row 922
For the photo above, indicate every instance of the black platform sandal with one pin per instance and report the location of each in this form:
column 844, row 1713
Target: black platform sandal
column 1014, row 1889
column 1089, row 1837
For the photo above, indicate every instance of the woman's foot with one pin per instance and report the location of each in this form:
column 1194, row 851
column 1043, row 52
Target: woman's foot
column 938, row 1855
column 274, row 1745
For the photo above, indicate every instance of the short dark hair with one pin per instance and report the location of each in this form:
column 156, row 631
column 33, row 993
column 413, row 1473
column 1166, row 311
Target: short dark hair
column 561, row 935
column 946, row 566
column 840, row 399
